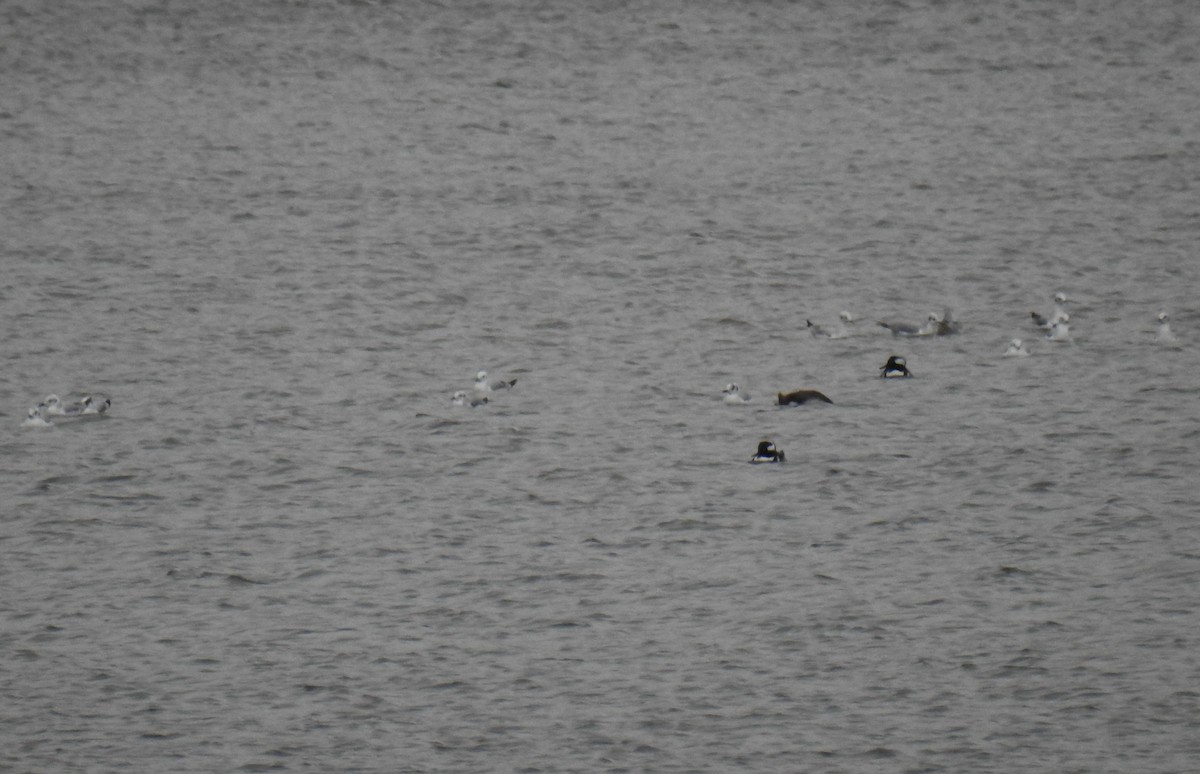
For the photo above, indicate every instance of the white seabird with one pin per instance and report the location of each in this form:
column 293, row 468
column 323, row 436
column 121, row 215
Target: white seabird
column 1016, row 348
column 92, row 406
column 734, row 395
column 1164, row 334
column 1060, row 330
column 461, row 398
column 1059, row 314
column 484, row 385
column 945, row 325
column 54, row 407
column 907, row 329
column 34, row 418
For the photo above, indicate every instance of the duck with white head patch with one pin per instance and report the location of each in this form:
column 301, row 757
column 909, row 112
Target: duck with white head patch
column 767, row 453
column 895, row 366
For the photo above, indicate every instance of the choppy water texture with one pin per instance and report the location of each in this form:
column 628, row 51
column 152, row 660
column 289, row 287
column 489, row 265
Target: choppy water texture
column 281, row 234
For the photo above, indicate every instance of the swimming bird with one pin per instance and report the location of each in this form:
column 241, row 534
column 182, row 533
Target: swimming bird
column 34, row 418
column 1016, row 348
column 734, row 395
column 1164, row 334
column 461, row 398
column 767, row 452
column 934, row 325
column 907, row 329
column 800, row 397
column 482, row 384
column 91, row 406
column 54, row 407
column 1060, row 330
column 840, row 331
column 1058, row 314
column 945, row 325
column 894, row 367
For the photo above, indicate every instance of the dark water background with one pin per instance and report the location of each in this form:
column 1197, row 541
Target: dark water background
column 281, row 234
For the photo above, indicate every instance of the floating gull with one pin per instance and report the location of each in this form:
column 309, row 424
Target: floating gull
column 92, row 406
column 767, row 453
column 484, row 385
column 34, row 418
column 895, row 366
column 1060, row 331
column 907, row 329
column 54, row 407
column 934, row 325
column 461, row 398
column 1164, row 334
column 945, row 325
column 1016, row 348
column 734, row 395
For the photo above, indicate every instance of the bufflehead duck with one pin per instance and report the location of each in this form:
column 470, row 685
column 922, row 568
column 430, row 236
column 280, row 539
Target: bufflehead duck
column 461, row 398
column 34, row 418
column 767, row 453
column 895, row 366
column 482, row 384
column 1164, row 328
column 800, row 397
column 734, row 395
column 1016, row 348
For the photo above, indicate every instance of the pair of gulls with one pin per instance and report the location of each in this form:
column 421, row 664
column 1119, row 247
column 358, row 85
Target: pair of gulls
column 484, row 387
column 1056, row 324
column 53, row 406
column 935, row 325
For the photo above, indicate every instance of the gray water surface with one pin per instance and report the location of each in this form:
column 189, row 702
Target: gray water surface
column 281, row 234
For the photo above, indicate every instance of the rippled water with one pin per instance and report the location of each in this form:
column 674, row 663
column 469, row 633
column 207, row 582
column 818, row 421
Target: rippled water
column 281, row 234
